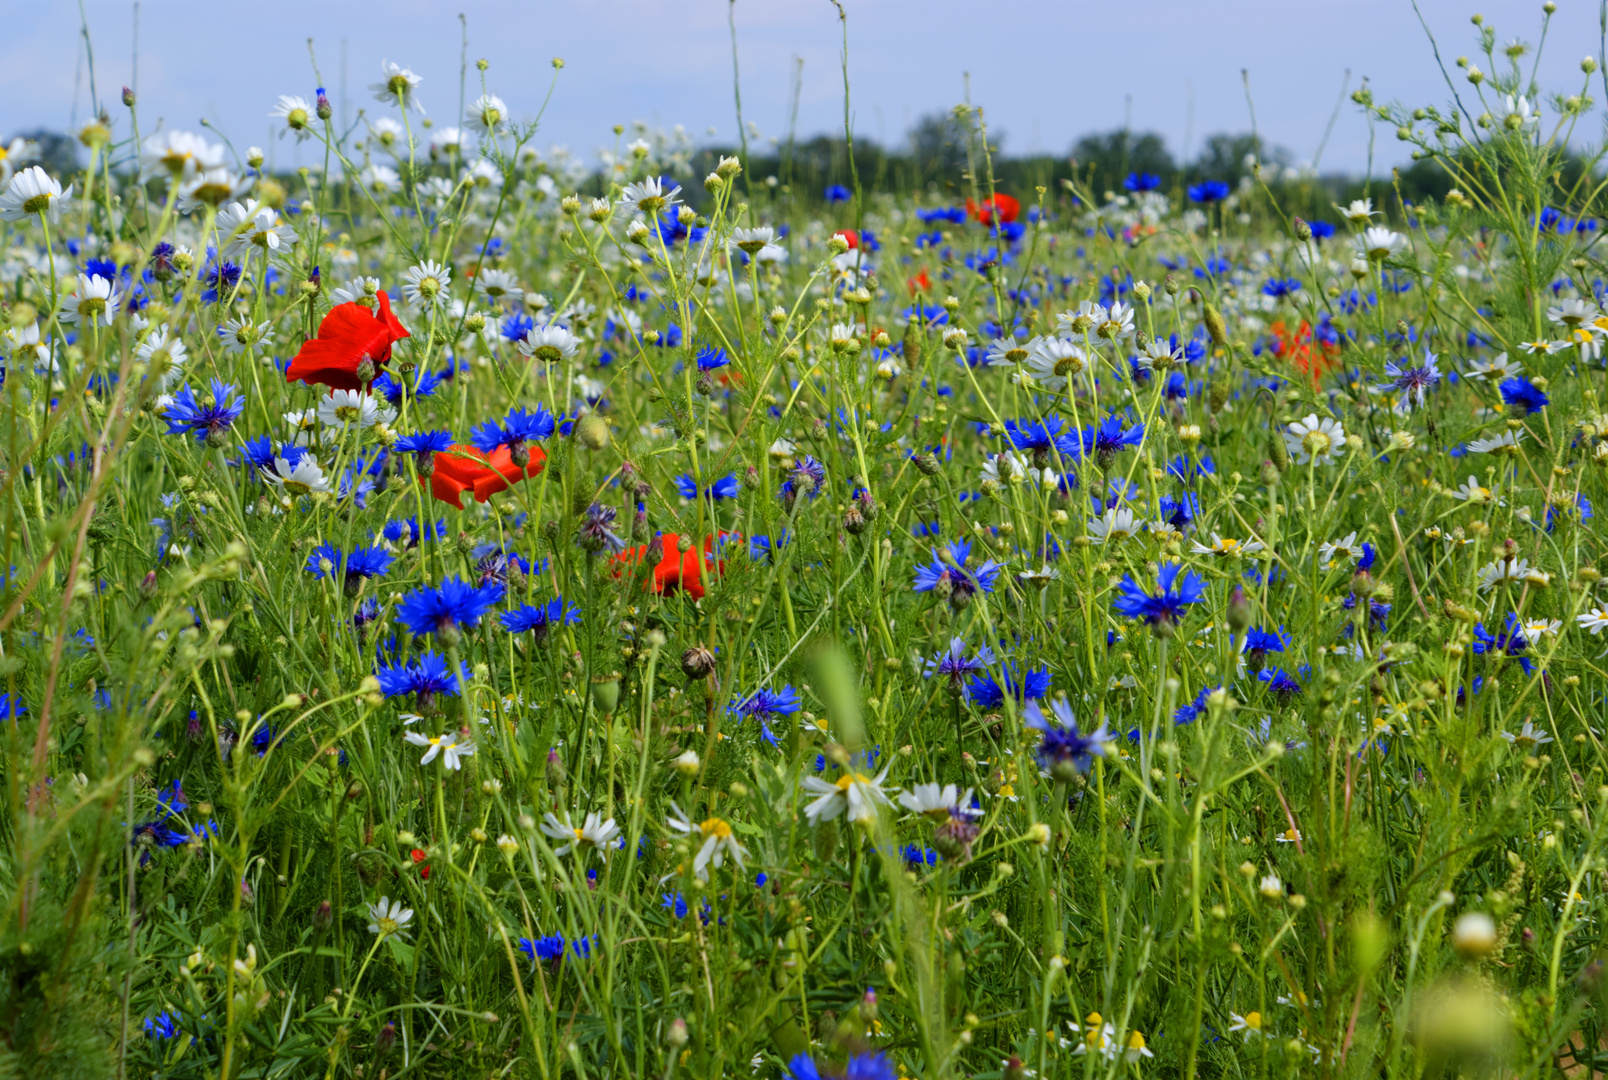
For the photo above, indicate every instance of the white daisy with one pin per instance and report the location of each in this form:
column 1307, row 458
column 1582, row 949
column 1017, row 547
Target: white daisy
column 1227, row 545
column 487, row 115
column 14, row 155
column 934, row 800
column 1313, row 439
column 380, row 179
column 251, row 225
column 1118, row 523
column 1378, row 242
column 854, row 792
column 1501, row 571
column 1358, row 211
column 241, row 335
column 359, row 290
column 297, row 115
column 1474, row 493
column 1594, row 620
column 648, row 197
column 596, row 831
column 179, row 154
column 498, row 287
column 389, row 917
column 1506, row 443
column 302, row 478
column 211, row 187
column 426, row 283
column 397, row 86
column 1002, row 351
column 353, row 407
column 388, row 133
column 550, row 343
column 25, row 346
column 93, row 299
column 1495, row 369
column 451, row 750
column 30, row 192
column 718, row 841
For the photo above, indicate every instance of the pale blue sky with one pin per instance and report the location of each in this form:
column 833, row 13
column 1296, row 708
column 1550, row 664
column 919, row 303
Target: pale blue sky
column 1046, row 71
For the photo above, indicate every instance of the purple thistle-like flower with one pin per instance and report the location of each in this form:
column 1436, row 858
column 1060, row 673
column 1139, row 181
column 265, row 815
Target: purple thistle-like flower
column 948, row 574
column 1063, row 748
column 1413, row 382
column 596, row 530
column 955, row 665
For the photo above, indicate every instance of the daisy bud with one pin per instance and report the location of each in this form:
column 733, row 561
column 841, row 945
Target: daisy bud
column 1588, row 65
column 254, row 157
column 507, row 845
column 687, row 764
column 600, row 210
column 677, row 1035
column 1141, row 289
column 838, row 244
column 637, row 233
column 1474, row 935
column 570, row 204
column 1271, row 888
column 687, row 216
column 1189, row 434
column 1475, row 75
column 713, row 183
column 478, row 835
column 128, row 94
column 955, row 338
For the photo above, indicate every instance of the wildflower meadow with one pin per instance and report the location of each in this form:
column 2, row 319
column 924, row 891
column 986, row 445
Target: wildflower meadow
column 471, row 611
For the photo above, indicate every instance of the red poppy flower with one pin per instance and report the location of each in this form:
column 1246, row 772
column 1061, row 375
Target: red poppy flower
column 921, row 283
column 464, row 468
column 675, row 569
column 1313, row 360
column 348, row 334
column 1007, row 207
column 418, row 858
column 850, row 237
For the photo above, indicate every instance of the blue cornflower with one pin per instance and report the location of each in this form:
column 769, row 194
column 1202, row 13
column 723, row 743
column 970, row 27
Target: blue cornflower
column 1413, row 382
column 1166, row 607
column 1141, row 181
column 985, row 693
column 836, row 193
column 456, row 603
column 540, row 617
column 550, row 948
column 1259, row 642
column 760, row 547
column 948, row 574
column 954, row 664
column 1510, row 643
column 406, row 531
column 495, row 563
column 764, row 703
column 425, row 676
column 916, row 856
column 220, row 279
column 1281, row 287
column 1581, row 511
column 675, row 903
column 1188, row 714
column 1208, row 191
column 1321, row 230
column 161, row 1026
column 516, row 429
column 726, row 487
column 516, row 326
column 1063, row 749
column 807, row 475
column 1522, row 394
column 1280, row 682
column 1036, row 435
column 171, row 798
column 424, row 445
column 364, row 562
column 1104, row 440
column 1180, row 513
column 424, row 385
column 870, row 1066
column 259, row 453
column 210, row 423
column 710, row 358
column 1183, row 468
